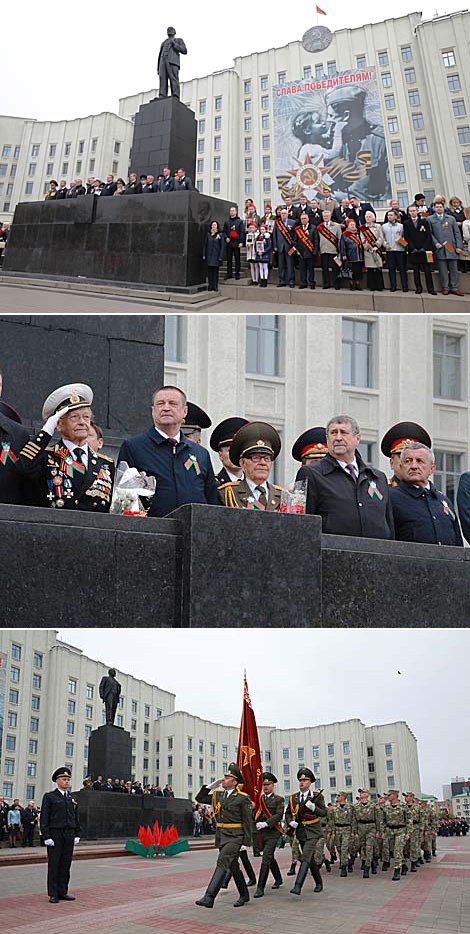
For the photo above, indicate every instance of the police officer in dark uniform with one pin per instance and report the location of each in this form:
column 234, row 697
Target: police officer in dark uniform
column 232, row 809
column 254, row 448
column 268, row 819
column 394, row 441
column 196, row 419
column 310, row 446
column 60, row 830
column 70, row 474
column 303, row 814
column 220, row 441
column 12, row 438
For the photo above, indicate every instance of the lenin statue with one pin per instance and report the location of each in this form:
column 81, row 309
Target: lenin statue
column 169, row 64
column 110, row 690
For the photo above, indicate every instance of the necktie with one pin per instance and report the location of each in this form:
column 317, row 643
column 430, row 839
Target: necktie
column 79, row 454
column 173, row 442
column 351, row 471
column 262, row 496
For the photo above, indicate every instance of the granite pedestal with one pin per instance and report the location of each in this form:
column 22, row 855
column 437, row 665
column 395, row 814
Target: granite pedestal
column 108, row 814
column 110, row 752
column 165, row 133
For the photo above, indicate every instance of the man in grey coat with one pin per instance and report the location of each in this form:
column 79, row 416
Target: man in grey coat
column 448, row 244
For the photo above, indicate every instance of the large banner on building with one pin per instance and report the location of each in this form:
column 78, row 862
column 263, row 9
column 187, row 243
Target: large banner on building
column 329, row 134
column 3, row 682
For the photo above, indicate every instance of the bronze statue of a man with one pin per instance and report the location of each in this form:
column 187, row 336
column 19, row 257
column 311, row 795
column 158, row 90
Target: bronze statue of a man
column 110, row 691
column 169, row 64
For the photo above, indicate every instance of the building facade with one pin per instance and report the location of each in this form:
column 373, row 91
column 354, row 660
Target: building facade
column 49, row 704
column 296, row 371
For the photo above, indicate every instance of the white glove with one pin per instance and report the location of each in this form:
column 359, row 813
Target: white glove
column 261, row 824
column 76, row 840
column 215, row 784
column 310, row 805
column 49, row 842
column 243, row 848
column 293, row 824
column 51, row 424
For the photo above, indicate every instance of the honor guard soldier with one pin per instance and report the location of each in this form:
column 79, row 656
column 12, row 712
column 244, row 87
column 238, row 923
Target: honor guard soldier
column 12, row 438
column 232, row 810
column 72, row 475
column 304, row 813
column 340, row 820
column 394, row 441
column 254, row 448
column 398, row 827
column 268, row 823
column 310, row 445
column 60, row 830
column 195, row 420
column 365, row 827
column 220, row 441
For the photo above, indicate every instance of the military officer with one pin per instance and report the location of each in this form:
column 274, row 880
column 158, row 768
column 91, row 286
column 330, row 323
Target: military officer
column 254, row 448
column 398, row 827
column 310, row 445
column 12, row 438
column 340, row 821
column 365, row 826
column 395, row 439
column 232, row 809
column 195, row 420
column 412, row 846
column 268, row 819
column 220, row 441
column 60, row 830
column 71, row 474
column 303, row 814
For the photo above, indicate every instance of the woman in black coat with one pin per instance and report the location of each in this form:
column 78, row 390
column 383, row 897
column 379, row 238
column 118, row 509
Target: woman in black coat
column 213, row 253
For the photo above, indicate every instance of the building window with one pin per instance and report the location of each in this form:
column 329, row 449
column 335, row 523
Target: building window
column 13, row 171
column 266, row 142
column 263, row 83
column 406, row 53
column 459, row 109
column 357, row 352
column 332, row 781
column 286, row 769
column 32, row 168
column 266, row 185
column 453, row 83
column 463, row 133
column 10, row 743
column 87, row 731
column 371, row 767
column 202, row 107
column 50, row 168
column 383, row 58
column 37, row 660
column 175, row 339
column 281, row 77
column 360, row 61
column 389, row 101
column 14, row 673
column 248, row 165
column 200, row 145
column 265, row 102
column 146, row 710
column 31, row 769
column 390, row 781
column 266, row 163
column 425, row 171
column 319, row 71
column 248, row 124
column 410, row 75
column 307, row 72
column 247, row 105
column 9, row 768
column 72, row 686
column 466, row 163
column 399, row 173
column 170, row 742
column 331, row 749
column 265, row 122
column 78, row 167
column 147, row 729
column 16, row 652
column 6, row 151
column 448, row 59
column 117, row 148
column 218, row 123
column 263, row 344
column 217, row 164
column 70, row 727
column 12, row 719
column 247, row 86
column 392, row 123
column 28, row 188
column 447, row 473
column 332, row 765
column 413, row 97
column 248, row 186
column 89, row 691
column 33, row 747
column 13, row 696
column 301, row 753
column 89, row 711
column 35, row 151
column 67, row 149
column 69, row 749
column 316, row 768
column 397, row 151
column 386, row 79
column 389, row 765
column 421, row 145
column 346, row 749
column 200, row 165
column 6, row 205
column 94, row 144
column 418, row 121
column 34, row 725
column 81, row 147
column 218, row 103
column 202, row 126
column 35, row 702
column 65, row 168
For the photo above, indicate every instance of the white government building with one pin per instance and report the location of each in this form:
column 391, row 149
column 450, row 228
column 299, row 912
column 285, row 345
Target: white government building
column 50, row 703
column 424, row 82
column 296, row 371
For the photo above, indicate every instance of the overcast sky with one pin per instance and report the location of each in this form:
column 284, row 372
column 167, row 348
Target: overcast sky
column 61, row 60
column 300, row 677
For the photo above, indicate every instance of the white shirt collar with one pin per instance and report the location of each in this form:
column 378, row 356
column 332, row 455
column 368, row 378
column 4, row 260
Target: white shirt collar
column 253, row 486
column 72, row 445
column 353, row 464
column 177, row 437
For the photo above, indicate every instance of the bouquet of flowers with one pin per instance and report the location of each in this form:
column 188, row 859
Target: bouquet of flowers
column 129, row 486
column 294, row 497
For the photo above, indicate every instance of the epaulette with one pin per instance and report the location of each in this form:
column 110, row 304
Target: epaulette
column 229, row 483
column 104, row 457
column 274, row 486
column 245, row 795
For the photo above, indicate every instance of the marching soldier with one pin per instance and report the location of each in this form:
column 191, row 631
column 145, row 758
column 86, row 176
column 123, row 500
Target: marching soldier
column 310, row 446
column 295, row 853
column 412, row 847
column 60, row 830
column 398, row 828
column 304, row 813
column 427, row 832
column 378, row 848
column 71, row 474
column 232, row 809
column 434, row 824
column 268, row 821
column 365, row 827
column 220, row 441
column 395, row 439
column 340, row 823
column 254, row 448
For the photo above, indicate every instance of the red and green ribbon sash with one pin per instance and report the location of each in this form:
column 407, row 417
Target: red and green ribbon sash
column 402, row 241
column 286, row 233
column 7, row 454
column 70, row 466
column 253, row 503
column 304, row 238
column 374, row 491
column 429, row 256
column 448, row 246
column 447, row 510
column 192, row 462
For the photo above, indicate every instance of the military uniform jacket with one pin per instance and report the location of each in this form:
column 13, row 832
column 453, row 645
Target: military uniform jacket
column 275, row 805
column 185, row 476
column 424, row 515
column 398, row 817
column 415, row 812
column 12, row 484
column 59, row 812
column 340, row 815
column 238, row 495
column 233, row 815
column 309, row 820
column 364, row 815
column 63, row 484
column 346, row 507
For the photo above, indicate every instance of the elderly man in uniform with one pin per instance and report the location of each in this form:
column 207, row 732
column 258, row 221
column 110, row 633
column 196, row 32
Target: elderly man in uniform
column 421, row 512
column 310, row 446
column 254, row 448
column 304, row 814
column 60, row 831
column 220, row 441
column 232, row 809
column 365, row 827
column 196, row 419
column 397, row 827
column 268, row 822
column 394, row 441
column 71, row 474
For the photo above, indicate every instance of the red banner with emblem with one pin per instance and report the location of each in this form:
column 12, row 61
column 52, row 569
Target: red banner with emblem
column 248, row 755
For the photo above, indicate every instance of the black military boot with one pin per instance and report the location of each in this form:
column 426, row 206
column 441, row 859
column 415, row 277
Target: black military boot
column 421, row 861
column 404, row 869
column 343, row 871
column 207, row 900
column 277, row 874
column 301, row 876
column 365, row 872
column 241, row 885
column 385, row 865
column 363, row 864
column 327, row 864
column 414, row 867
column 350, row 864
column 291, row 871
column 317, row 876
column 396, row 875
column 228, row 876
column 263, row 878
column 374, row 867
column 248, row 867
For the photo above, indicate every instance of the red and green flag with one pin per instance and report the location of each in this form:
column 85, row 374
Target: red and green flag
column 448, row 246
column 402, row 241
column 429, row 256
column 320, row 11
column 249, row 755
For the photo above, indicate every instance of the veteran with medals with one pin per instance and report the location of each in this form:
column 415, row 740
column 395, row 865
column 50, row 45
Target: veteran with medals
column 268, row 819
column 254, row 448
column 72, row 475
column 233, row 814
column 304, row 815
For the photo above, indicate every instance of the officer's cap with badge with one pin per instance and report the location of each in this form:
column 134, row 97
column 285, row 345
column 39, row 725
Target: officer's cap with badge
column 9, row 412
column 255, row 438
column 63, row 772
column 399, row 435
column 195, row 419
column 311, row 444
column 234, row 772
column 305, row 773
column 269, row 777
column 69, row 397
column 225, row 431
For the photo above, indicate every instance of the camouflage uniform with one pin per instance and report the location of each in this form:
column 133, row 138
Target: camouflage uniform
column 378, row 846
column 398, row 823
column 294, row 845
column 427, row 832
column 340, row 823
column 434, row 823
column 365, row 826
column 411, row 849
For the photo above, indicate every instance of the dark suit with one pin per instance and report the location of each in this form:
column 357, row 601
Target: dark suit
column 133, row 188
column 361, row 508
column 167, row 184
column 223, row 477
column 61, row 194
column 285, row 262
column 108, row 189
column 463, row 503
column 29, row 819
column 61, row 483
column 183, row 184
column 12, row 485
column 177, row 484
column 60, row 823
column 76, row 191
column 359, row 214
column 149, row 188
column 305, row 256
column 419, row 242
column 236, row 811
column 424, row 515
column 238, row 495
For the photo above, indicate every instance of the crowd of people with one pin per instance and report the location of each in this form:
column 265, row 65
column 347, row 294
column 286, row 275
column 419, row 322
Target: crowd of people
column 18, row 824
column 112, row 187
column 453, row 827
column 203, row 820
column 121, row 786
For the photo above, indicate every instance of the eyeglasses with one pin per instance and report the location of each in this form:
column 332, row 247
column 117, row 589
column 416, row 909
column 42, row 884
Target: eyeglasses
column 260, row 458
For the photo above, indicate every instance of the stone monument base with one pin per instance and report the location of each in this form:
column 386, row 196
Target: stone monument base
column 108, row 814
column 110, row 753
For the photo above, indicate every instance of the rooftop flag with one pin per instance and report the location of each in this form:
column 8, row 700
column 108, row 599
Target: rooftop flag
column 319, row 10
